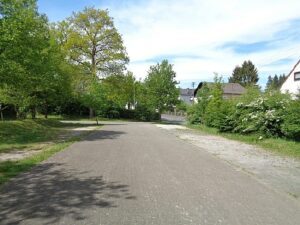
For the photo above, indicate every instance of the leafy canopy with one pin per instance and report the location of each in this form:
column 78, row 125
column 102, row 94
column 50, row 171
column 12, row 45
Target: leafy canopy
column 92, row 41
column 161, row 86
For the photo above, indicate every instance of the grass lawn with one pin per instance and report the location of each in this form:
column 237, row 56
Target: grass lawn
column 26, row 134
column 277, row 145
column 20, row 134
column 9, row 169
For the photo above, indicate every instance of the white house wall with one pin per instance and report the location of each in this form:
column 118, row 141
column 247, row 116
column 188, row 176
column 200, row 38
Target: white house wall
column 290, row 85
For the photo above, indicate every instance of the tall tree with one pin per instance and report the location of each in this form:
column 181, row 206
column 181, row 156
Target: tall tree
column 32, row 70
column 245, row 75
column 92, row 41
column 24, row 41
column 161, row 86
column 274, row 83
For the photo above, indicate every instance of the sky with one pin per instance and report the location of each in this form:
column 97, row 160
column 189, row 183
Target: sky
column 200, row 37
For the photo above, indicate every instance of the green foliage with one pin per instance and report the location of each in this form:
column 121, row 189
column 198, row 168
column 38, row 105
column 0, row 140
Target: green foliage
column 262, row 115
column 121, row 90
column 269, row 114
column 203, row 96
column 91, row 40
column 95, row 97
column 161, row 89
column 274, row 83
column 291, row 120
column 31, row 62
column 182, row 106
column 213, row 110
column 245, row 75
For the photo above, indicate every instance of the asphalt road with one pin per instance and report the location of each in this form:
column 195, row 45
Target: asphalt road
column 136, row 173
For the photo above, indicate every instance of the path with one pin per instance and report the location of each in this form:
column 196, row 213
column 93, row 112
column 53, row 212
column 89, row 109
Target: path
column 137, row 173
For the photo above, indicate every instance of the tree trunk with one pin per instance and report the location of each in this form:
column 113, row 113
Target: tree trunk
column 46, row 111
column 2, row 119
column 91, row 113
column 33, row 112
column 17, row 112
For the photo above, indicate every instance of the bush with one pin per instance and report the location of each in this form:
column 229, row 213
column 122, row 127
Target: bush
column 194, row 114
column 145, row 114
column 113, row 114
column 291, row 121
column 211, row 109
column 263, row 115
column 140, row 113
column 270, row 114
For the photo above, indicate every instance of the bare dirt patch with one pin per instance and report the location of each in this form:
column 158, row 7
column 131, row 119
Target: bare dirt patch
column 68, row 133
column 278, row 172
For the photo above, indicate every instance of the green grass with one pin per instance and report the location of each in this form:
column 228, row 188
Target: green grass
column 276, row 145
column 9, row 169
column 20, row 134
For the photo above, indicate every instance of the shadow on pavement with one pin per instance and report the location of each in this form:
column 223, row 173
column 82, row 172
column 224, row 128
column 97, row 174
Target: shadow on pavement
column 103, row 134
column 49, row 192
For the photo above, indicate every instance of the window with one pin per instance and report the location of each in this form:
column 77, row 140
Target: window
column 297, row 76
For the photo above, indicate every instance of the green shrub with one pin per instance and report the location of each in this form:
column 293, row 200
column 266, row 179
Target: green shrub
column 291, row 121
column 263, row 115
column 211, row 108
column 113, row 114
column 227, row 122
column 145, row 114
column 194, row 114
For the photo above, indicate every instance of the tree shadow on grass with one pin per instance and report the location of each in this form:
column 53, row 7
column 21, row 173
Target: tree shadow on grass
column 49, row 192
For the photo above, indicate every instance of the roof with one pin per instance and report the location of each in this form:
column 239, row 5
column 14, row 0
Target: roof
column 187, row 91
column 233, row 88
column 293, row 69
column 228, row 88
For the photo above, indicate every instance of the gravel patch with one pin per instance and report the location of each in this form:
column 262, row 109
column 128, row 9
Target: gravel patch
column 278, row 172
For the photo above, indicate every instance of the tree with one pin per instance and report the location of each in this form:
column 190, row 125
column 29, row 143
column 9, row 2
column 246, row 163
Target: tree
column 120, row 89
column 213, row 113
column 269, row 82
column 274, row 83
column 24, row 40
column 96, row 98
column 245, row 75
column 161, row 87
column 92, row 41
column 32, row 70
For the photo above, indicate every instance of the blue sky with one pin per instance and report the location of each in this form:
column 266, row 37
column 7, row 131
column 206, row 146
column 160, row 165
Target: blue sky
column 200, row 37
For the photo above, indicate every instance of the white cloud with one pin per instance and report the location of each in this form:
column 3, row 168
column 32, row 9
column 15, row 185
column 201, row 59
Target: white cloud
column 152, row 29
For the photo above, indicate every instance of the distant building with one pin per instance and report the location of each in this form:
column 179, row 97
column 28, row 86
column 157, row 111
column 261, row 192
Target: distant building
column 230, row 90
column 292, row 82
column 187, row 95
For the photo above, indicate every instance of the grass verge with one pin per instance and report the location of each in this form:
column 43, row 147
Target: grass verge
column 30, row 133
column 276, row 145
column 9, row 169
column 20, row 134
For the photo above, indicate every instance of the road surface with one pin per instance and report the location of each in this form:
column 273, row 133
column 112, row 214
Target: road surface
column 136, row 173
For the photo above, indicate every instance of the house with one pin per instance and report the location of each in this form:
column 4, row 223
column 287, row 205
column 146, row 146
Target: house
column 292, row 82
column 186, row 95
column 230, row 90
